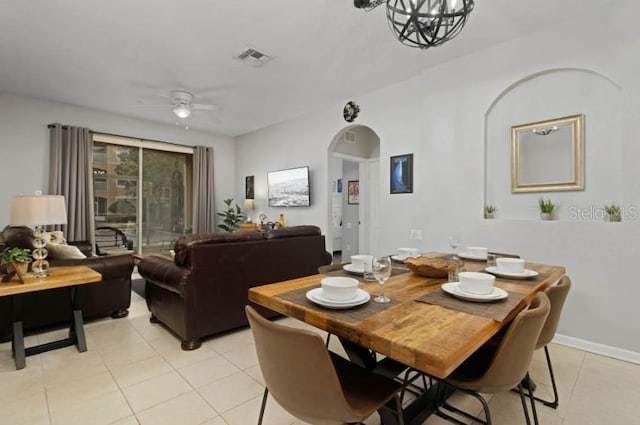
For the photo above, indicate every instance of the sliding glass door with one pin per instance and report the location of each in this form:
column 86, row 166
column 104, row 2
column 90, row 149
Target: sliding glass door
column 141, row 192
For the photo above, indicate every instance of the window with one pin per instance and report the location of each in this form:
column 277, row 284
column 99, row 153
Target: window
column 145, row 190
column 99, row 184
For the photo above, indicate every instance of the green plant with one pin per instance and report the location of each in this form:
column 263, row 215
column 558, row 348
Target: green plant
column 612, row 209
column 233, row 216
column 546, row 207
column 490, row 209
column 17, row 255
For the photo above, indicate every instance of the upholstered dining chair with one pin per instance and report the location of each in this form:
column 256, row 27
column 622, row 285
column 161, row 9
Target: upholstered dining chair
column 557, row 295
column 313, row 384
column 497, row 368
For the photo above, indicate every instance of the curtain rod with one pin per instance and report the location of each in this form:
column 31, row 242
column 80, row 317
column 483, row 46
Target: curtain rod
column 65, row 126
column 130, row 137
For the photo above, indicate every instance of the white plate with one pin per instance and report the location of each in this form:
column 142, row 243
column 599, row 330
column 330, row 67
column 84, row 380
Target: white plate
column 469, row 256
column 399, row 258
column 352, row 269
column 315, row 296
column 526, row 274
column 453, row 288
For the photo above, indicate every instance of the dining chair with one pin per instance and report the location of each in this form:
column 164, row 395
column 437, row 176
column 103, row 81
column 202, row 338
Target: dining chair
column 557, row 295
column 312, row 383
column 497, row 368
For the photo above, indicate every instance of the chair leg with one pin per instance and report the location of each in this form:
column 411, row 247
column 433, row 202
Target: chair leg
column 399, row 410
column 264, row 404
column 534, row 412
column 528, row 384
column 443, row 404
column 553, row 404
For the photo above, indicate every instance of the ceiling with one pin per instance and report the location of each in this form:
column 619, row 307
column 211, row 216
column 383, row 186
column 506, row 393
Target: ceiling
column 115, row 55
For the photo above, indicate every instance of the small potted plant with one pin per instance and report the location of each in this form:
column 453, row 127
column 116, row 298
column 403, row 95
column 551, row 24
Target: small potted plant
column 613, row 213
column 12, row 258
column 489, row 211
column 546, row 209
column 233, row 216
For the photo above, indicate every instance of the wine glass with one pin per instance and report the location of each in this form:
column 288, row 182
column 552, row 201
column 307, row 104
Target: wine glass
column 454, row 243
column 382, row 272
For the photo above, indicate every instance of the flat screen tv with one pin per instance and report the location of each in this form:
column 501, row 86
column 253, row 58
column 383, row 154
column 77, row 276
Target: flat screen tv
column 289, row 188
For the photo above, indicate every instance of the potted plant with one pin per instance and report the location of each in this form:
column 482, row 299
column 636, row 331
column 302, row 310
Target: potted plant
column 11, row 258
column 233, row 216
column 546, row 209
column 613, row 213
column 489, row 211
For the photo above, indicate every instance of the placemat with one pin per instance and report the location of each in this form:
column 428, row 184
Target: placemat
column 351, row 315
column 497, row 310
column 531, row 281
column 395, row 271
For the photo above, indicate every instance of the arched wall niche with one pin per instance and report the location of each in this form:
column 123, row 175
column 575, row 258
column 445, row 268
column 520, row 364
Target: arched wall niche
column 550, row 94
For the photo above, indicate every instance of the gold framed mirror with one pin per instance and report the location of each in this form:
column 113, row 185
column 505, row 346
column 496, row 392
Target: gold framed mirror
column 548, row 155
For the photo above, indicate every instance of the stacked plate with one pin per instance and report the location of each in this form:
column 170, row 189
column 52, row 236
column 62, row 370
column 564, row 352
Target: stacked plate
column 526, row 274
column 453, row 288
column 353, row 269
column 316, row 296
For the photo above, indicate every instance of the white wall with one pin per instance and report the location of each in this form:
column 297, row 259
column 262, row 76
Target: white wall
column 439, row 116
column 24, row 143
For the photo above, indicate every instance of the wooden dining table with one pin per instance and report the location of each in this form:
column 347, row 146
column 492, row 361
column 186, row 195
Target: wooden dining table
column 430, row 336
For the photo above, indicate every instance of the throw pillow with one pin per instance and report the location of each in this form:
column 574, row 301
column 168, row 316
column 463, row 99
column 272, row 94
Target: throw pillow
column 55, row 238
column 64, row 252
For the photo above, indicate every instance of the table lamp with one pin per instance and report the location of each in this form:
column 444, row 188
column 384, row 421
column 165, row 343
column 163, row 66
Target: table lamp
column 38, row 211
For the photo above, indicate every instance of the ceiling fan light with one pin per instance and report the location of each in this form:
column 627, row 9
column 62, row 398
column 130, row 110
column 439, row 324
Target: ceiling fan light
column 182, row 111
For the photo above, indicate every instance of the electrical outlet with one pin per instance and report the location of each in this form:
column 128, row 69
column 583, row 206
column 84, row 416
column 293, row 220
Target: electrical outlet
column 416, row 234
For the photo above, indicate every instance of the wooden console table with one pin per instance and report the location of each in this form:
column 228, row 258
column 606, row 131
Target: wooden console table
column 59, row 277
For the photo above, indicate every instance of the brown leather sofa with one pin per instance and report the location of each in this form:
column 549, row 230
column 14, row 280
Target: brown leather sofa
column 203, row 291
column 110, row 297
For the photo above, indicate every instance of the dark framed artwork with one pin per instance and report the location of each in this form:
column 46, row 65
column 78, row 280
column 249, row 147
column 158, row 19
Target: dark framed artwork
column 402, row 173
column 353, row 192
column 248, row 188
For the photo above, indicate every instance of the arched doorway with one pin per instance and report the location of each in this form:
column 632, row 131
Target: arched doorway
column 353, row 164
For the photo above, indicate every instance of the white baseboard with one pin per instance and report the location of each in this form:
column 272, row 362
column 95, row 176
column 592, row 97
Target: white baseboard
column 594, row 347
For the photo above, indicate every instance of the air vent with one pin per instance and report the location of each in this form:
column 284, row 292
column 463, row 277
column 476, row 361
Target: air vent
column 349, row 137
column 253, row 57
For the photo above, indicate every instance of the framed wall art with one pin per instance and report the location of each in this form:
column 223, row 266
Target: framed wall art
column 353, row 192
column 248, row 188
column 402, row 173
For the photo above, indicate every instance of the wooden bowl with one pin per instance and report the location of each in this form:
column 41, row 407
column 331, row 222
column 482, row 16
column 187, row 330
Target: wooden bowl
column 430, row 267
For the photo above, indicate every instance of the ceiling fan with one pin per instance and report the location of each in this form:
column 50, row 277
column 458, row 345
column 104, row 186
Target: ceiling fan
column 181, row 104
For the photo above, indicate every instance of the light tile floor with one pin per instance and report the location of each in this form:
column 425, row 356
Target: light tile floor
column 135, row 373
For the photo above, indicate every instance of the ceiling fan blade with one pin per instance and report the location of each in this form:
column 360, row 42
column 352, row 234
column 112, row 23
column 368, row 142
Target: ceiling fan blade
column 204, row 106
column 151, row 105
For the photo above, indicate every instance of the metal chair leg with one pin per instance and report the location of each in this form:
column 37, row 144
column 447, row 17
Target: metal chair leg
column 443, row 404
column 534, row 412
column 524, row 403
column 553, row 404
column 264, row 404
column 528, row 384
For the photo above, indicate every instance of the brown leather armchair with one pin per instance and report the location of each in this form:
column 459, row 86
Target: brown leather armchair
column 204, row 290
column 110, row 297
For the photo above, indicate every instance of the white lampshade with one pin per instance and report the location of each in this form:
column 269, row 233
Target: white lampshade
column 38, row 210
column 249, row 204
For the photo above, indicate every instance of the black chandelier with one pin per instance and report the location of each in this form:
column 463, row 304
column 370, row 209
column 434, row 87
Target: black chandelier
column 423, row 23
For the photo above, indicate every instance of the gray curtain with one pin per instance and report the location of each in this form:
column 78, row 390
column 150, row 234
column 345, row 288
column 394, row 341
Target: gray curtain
column 70, row 174
column 203, row 200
